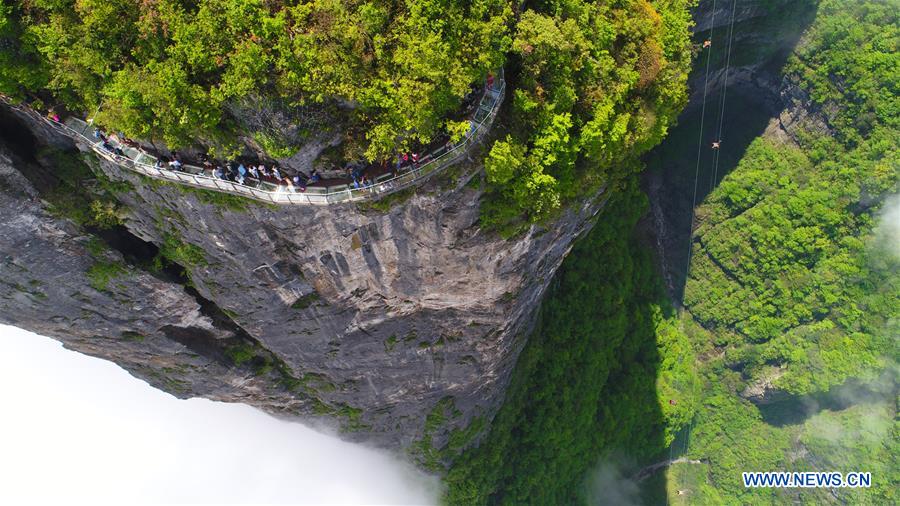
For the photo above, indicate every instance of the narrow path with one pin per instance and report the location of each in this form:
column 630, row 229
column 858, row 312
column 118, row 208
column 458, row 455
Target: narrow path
column 138, row 161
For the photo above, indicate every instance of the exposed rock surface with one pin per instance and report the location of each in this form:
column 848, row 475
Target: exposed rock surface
column 136, row 321
column 712, row 13
column 368, row 317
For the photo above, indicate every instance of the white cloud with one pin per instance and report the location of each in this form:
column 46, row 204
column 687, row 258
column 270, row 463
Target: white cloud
column 76, row 429
column 888, row 230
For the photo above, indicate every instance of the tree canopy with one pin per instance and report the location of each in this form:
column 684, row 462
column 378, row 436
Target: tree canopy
column 595, row 83
column 170, row 69
column 786, row 266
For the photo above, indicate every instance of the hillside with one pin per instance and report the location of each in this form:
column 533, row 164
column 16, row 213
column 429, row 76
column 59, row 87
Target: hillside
column 663, row 264
column 784, row 354
column 369, row 315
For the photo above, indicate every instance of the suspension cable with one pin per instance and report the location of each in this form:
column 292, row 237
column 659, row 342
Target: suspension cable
column 699, row 147
column 721, row 130
column 694, row 195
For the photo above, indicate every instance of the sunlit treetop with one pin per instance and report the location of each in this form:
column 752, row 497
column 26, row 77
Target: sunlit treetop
column 592, row 83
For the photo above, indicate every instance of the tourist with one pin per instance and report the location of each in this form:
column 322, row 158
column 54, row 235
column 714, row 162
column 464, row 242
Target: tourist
column 314, row 176
column 300, row 183
column 204, row 160
column 276, row 173
column 219, row 173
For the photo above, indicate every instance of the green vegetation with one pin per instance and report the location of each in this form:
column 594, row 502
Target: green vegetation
column 130, row 335
column 307, row 300
column 813, row 434
column 241, row 353
column 250, row 355
column 423, row 449
column 32, row 289
column 390, row 342
column 101, row 273
column 596, row 85
column 792, row 289
column 461, row 438
column 787, row 285
column 591, row 378
column 384, row 204
column 174, row 70
column 78, row 194
column 184, row 254
column 224, row 200
column 783, row 268
column 350, row 414
column 104, row 270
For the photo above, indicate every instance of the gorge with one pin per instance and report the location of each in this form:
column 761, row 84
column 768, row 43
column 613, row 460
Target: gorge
column 589, row 288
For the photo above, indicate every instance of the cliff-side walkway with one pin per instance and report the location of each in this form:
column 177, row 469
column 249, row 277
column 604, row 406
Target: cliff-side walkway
column 136, row 160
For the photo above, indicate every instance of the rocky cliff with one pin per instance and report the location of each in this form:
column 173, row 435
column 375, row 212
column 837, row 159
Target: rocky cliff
column 758, row 97
column 374, row 317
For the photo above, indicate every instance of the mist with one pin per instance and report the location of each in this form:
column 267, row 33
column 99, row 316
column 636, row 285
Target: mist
column 887, row 233
column 607, row 484
column 77, row 429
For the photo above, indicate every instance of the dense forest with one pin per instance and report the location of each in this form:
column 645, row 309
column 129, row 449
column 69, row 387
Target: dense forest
column 596, row 83
column 782, row 354
column 794, row 285
column 793, row 296
column 783, row 266
column 591, row 375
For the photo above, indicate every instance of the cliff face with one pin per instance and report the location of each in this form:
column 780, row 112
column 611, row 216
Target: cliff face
column 135, row 321
column 759, row 98
column 371, row 318
column 714, row 13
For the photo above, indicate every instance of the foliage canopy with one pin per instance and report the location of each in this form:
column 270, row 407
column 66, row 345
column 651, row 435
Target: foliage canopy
column 596, row 83
column 786, row 268
column 171, row 69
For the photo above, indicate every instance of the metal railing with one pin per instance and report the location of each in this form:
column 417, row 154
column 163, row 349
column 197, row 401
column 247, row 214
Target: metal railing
column 143, row 163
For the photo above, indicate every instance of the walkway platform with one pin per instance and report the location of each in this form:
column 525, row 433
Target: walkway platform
column 141, row 162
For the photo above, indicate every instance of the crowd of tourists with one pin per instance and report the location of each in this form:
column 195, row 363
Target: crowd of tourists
column 356, row 175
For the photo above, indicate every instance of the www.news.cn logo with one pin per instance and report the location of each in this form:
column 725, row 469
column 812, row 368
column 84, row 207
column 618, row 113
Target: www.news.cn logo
column 807, row 480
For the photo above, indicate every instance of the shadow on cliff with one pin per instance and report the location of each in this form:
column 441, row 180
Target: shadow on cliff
column 583, row 390
column 762, row 46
